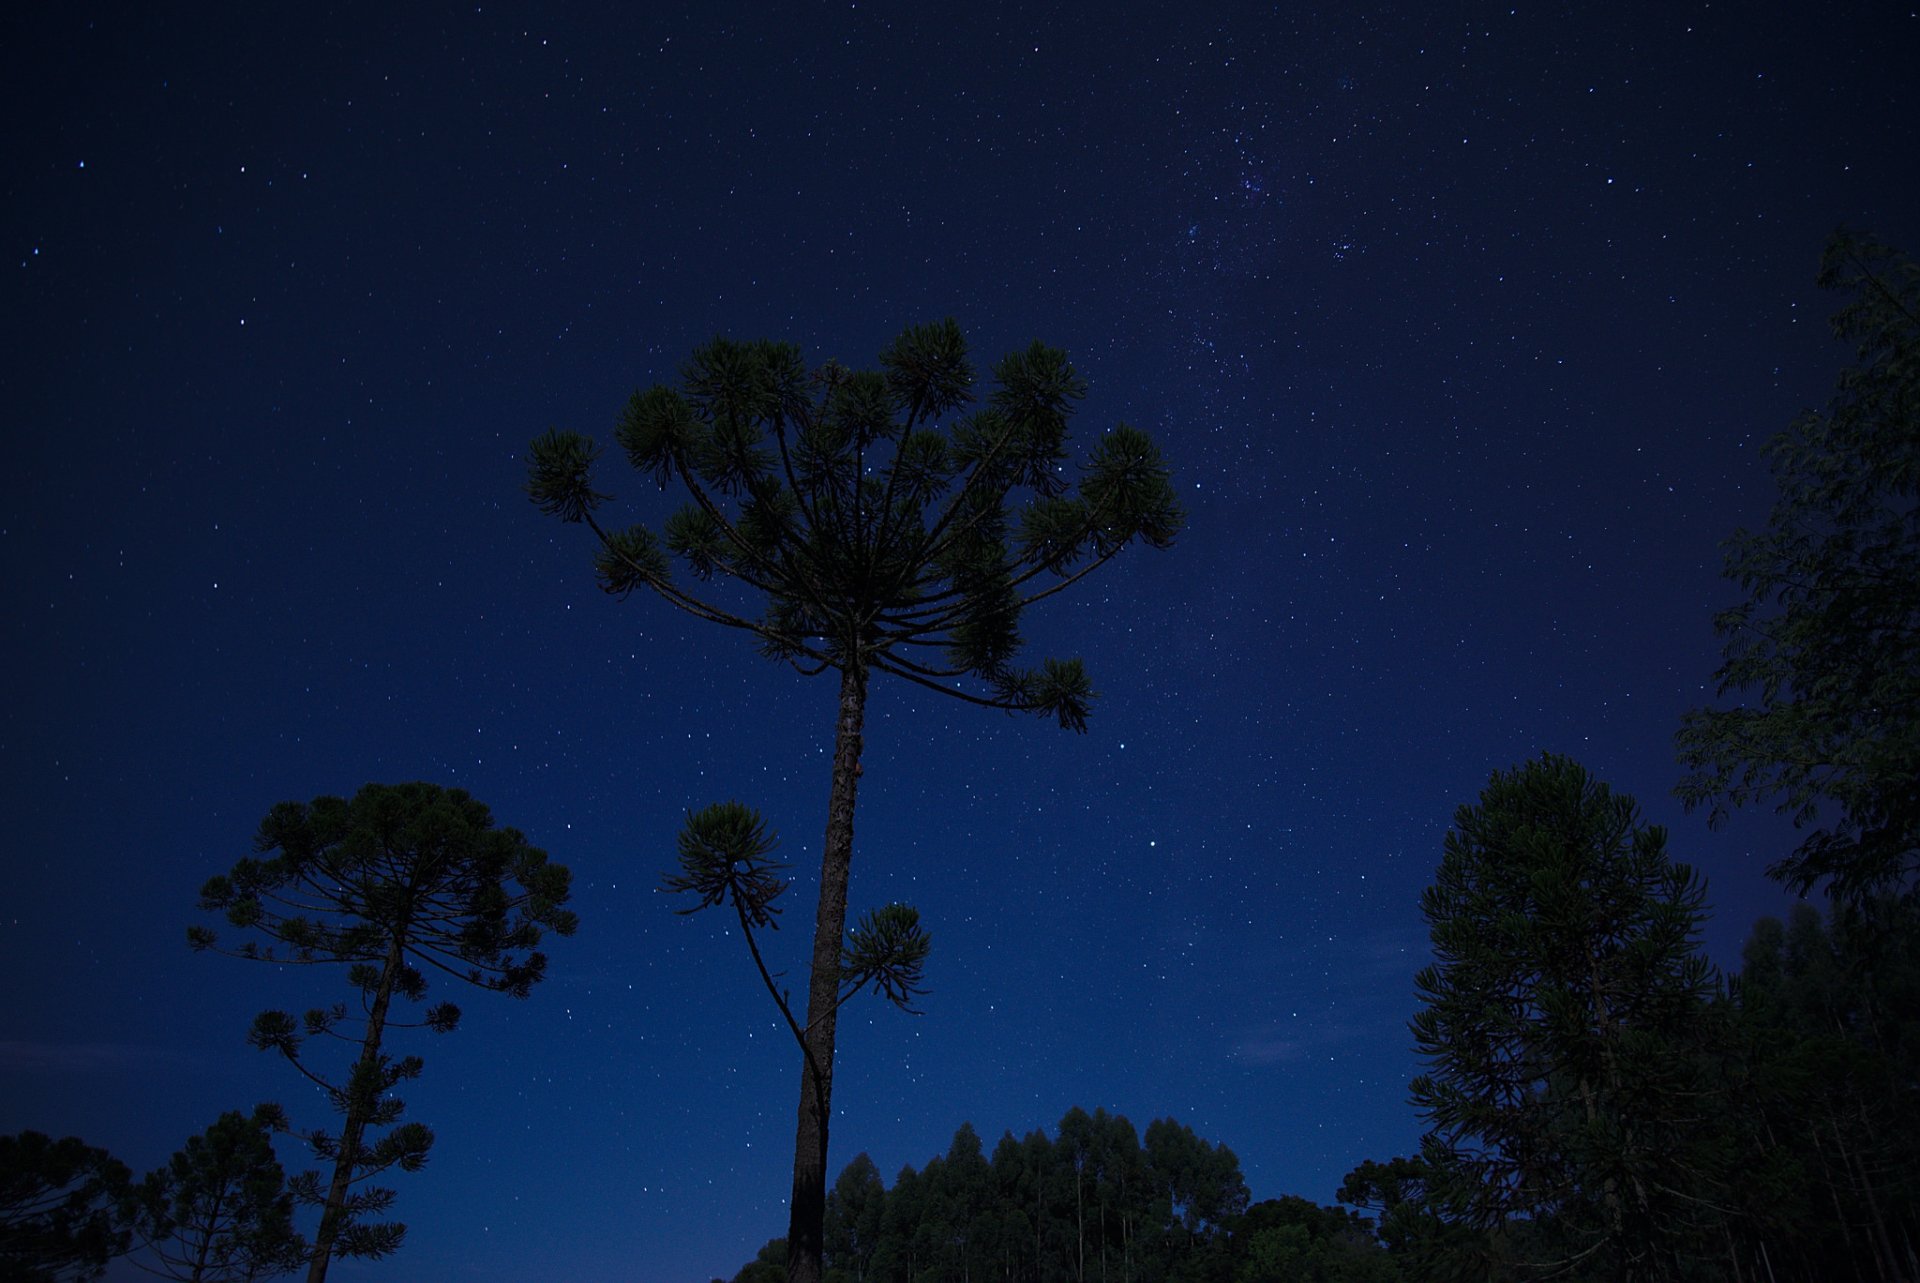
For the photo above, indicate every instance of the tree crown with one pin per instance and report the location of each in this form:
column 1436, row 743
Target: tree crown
column 411, row 867
column 1826, row 646
column 880, row 525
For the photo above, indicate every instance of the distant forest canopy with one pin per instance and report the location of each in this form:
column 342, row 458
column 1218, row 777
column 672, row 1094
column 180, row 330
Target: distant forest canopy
column 1807, row 1147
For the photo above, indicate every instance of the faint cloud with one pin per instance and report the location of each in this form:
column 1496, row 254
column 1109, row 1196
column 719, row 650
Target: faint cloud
column 1274, row 1049
column 1384, row 954
column 87, row 1057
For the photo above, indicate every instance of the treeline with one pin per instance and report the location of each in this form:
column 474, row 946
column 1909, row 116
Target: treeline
column 1093, row 1202
column 1821, row 1101
column 1799, row 1127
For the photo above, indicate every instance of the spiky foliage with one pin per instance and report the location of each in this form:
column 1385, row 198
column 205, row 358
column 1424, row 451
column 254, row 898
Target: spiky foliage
column 1563, row 1025
column 1826, row 646
column 220, row 1210
column 58, row 1217
column 889, row 520
column 724, row 852
column 879, row 526
column 399, row 882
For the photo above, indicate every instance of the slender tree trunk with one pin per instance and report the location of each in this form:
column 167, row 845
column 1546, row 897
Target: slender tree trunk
column 358, row 1109
column 1882, row 1238
column 1079, row 1231
column 807, row 1209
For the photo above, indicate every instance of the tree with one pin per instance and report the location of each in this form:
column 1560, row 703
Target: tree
column 220, row 1210
column 724, row 859
column 1413, row 1225
column 875, row 522
column 1289, row 1240
column 1564, row 1024
column 1198, row 1184
column 1827, row 642
column 767, row 1266
column 1821, row 1109
column 855, row 1208
column 58, row 1200
column 401, row 880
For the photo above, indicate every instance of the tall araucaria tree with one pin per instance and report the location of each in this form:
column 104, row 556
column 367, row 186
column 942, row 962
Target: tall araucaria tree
column 400, row 881
column 888, row 522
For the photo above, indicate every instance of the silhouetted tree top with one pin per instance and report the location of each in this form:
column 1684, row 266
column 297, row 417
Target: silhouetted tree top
column 1826, row 646
column 58, row 1199
column 873, row 516
column 1563, row 1025
column 220, row 1210
column 413, row 866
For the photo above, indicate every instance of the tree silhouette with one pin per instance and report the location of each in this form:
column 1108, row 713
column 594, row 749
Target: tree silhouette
column 855, row 1207
column 401, row 878
column 220, row 1210
column 724, row 852
column 1828, row 640
column 1563, row 1025
column 876, row 524
column 58, row 1201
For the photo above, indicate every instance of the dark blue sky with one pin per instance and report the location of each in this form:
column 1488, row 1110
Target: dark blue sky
column 1460, row 326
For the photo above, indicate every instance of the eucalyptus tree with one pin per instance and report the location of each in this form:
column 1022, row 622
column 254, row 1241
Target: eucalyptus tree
column 881, row 522
column 855, row 1207
column 399, row 882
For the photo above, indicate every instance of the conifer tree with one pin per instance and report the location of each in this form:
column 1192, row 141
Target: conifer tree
column 400, row 881
column 59, row 1219
column 886, row 528
column 220, row 1210
column 1563, row 1025
column 1826, row 647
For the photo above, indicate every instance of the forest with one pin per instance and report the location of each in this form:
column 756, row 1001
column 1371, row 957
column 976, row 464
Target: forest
column 1598, row 1101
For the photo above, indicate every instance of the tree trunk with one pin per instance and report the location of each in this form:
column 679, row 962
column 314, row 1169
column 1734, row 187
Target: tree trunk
column 209, row 1228
column 808, row 1206
column 356, row 1122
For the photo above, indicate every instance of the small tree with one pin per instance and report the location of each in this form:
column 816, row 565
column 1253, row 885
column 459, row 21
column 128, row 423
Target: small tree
column 1827, row 643
column 58, row 1201
column 220, row 1210
column 1563, row 1024
column 876, row 524
column 724, row 859
column 402, row 880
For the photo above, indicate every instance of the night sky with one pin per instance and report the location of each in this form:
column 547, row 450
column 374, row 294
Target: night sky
column 1460, row 326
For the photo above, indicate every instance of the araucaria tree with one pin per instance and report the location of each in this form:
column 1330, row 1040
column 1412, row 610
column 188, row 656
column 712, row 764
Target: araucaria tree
column 220, row 1210
column 887, row 522
column 400, row 881
column 59, row 1209
column 1563, row 1028
column 1826, row 647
